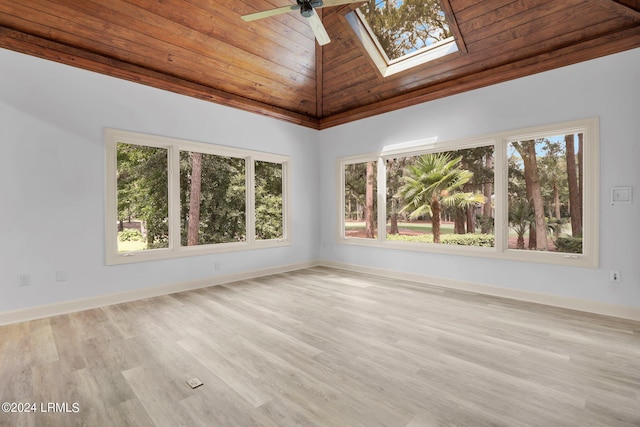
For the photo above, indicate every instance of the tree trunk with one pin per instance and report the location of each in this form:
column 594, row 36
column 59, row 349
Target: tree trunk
column 520, row 242
column 487, row 190
column 580, row 176
column 471, row 219
column 556, row 200
column 394, row 224
column 533, row 237
column 194, row 199
column 459, row 221
column 572, row 178
column 121, row 225
column 532, row 182
column 369, row 198
column 435, row 220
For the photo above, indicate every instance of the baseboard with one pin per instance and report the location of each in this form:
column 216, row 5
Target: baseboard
column 65, row 307
column 39, row 312
column 594, row 307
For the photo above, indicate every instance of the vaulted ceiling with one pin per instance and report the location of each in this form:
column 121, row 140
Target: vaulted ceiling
column 273, row 66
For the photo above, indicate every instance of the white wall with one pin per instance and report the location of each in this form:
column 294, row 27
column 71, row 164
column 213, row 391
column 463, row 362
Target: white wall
column 608, row 87
column 52, row 179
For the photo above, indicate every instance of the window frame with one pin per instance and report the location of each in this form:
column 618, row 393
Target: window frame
column 378, row 56
column 500, row 141
column 174, row 146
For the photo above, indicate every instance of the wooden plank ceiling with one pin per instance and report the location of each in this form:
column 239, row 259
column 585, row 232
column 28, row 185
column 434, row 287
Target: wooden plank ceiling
column 273, row 66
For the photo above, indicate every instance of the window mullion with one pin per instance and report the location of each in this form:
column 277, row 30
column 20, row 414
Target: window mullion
column 500, row 195
column 250, row 210
column 382, row 199
column 174, row 197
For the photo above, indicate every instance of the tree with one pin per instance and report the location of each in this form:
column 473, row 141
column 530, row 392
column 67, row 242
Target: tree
column 527, row 151
column 143, row 191
column 433, row 181
column 575, row 202
column 487, row 191
column 194, row 199
column 222, row 199
column 475, row 160
column 520, row 216
column 370, row 225
column 404, row 27
column 360, row 187
column 268, row 200
column 394, row 181
column 552, row 171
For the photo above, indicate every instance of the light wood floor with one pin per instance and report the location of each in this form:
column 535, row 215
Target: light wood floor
column 323, row 347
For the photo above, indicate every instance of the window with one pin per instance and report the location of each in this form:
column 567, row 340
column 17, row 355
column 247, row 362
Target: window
column 212, row 199
column 360, row 200
column 531, row 195
column 218, row 199
column 269, row 200
column 400, row 35
column 441, row 197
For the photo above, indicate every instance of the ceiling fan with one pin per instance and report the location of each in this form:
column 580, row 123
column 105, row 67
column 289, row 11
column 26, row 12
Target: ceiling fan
column 307, row 9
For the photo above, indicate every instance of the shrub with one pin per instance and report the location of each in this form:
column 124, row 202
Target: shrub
column 421, row 238
column 130, row 235
column 572, row 245
column 484, row 240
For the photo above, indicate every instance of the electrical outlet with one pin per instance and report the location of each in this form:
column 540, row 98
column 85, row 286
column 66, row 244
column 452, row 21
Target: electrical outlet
column 62, row 276
column 614, row 276
column 24, row 279
column 216, row 266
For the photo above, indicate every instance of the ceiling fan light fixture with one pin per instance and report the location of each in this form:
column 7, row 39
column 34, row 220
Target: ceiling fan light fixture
column 306, row 9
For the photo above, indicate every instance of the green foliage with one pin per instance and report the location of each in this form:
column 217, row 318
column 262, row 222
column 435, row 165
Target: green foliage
column 142, row 183
column 355, row 183
column 404, row 27
column 130, row 235
column 222, row 199
column 435, row 177
column 484, row 240
column 268, row 203
column 143, row 190
column 572, row 245
column 470, row 239
column 420, row 238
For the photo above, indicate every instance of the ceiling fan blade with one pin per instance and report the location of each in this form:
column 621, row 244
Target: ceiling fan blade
column 318, row 29
column 271, row 12
column 329, row 3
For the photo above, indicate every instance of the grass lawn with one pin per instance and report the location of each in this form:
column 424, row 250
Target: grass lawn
column 420, row 227
column 132, row 246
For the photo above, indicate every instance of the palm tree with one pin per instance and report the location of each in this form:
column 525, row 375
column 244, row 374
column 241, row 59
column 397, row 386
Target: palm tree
column 433, row 181
column 520, row 217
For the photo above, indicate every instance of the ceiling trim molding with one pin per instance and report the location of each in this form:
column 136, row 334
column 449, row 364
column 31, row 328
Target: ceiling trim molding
column 618, row 8
column 57, row 52
column 623, row 40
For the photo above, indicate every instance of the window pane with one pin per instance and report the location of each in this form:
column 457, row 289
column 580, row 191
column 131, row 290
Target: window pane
column 268, row 200
column 442, row 198
column 143, row 202
column 212, row 199
column 545, row 194
column 360, row 204
column 405, row 27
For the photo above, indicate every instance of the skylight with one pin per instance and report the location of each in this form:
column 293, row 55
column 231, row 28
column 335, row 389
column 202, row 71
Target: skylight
column 399, row 34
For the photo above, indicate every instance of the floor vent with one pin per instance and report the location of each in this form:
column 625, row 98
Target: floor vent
column 194, row 383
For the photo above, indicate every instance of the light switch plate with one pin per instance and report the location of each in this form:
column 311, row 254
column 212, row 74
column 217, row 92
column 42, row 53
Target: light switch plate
column 620, row 195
